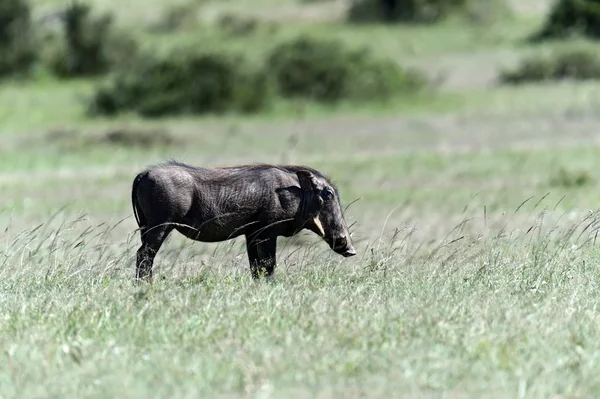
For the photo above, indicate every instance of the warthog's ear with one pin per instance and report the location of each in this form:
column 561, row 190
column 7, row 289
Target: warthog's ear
column 308, row 181
column 310, row 190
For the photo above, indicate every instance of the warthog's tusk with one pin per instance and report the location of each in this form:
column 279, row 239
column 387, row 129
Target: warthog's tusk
column 319, row 225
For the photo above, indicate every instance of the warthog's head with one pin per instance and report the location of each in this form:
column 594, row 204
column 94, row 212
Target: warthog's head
column 320, row 207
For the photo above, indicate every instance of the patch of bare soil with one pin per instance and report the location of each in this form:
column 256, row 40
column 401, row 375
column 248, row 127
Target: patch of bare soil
column 465, row 71
column 456, row 133
column 317, row 12
column 356, row 139
column 292, row 11
column 530, row 7
column 129, row 137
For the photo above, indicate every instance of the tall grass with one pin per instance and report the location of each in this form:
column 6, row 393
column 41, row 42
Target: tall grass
column 482, row 313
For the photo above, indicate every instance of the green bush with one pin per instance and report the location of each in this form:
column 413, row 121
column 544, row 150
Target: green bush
column 327, row 71
column 572, row 17
column 89, row 45
column 571, row 178
column 183, row 83
column 17, row 39
column 195, row 82
column 578, row 64
column 420, row 11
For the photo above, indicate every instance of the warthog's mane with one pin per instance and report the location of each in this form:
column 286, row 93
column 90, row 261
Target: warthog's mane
column 254, row 167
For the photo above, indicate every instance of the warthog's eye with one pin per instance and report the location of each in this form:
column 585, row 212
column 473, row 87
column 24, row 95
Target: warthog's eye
column 327, row 194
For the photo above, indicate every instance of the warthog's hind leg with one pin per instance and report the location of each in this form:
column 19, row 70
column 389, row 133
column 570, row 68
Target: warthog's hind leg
column 152, row 240
column 262, row 255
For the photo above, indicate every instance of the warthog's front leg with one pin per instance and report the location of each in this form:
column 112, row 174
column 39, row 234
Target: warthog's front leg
column 262, row 255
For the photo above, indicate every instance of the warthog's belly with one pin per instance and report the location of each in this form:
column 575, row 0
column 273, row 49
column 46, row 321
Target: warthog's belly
column 217, row 229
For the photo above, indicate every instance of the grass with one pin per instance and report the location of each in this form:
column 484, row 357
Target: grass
column 490, row 309
column 499, row 315
column 476, row 229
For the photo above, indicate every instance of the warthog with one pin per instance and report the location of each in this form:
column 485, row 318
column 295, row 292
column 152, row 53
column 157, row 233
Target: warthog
column 260, row 202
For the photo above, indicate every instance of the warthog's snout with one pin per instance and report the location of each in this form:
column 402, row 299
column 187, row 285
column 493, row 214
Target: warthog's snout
column 350, row 252
column 342, row 246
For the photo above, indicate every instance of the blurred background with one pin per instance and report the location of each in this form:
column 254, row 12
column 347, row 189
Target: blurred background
column 427, row 112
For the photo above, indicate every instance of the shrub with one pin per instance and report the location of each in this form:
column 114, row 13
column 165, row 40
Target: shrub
column 578, row 64
column 327, row 71
column 184, row 83
column 89, row 46
column 17, row 39
column 570, row 17
column 570, row 178
column 421, row 11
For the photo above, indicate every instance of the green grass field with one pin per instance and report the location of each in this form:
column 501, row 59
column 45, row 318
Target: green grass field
column 478, row 268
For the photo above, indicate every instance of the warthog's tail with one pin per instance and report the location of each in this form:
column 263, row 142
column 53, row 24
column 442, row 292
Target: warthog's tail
column 139, row 217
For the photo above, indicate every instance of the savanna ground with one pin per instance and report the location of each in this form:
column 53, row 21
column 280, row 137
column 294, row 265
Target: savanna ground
column 477, row 273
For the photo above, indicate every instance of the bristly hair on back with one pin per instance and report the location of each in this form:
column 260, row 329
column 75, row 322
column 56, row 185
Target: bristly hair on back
column 255, row 166
column 294, row 169
column 174, row 162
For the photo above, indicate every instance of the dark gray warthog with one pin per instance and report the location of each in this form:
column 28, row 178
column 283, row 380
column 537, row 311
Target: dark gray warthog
column 260, row 202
